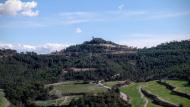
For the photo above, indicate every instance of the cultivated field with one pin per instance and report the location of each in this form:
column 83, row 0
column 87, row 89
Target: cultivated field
column 133, row 92
column 78, row 87
column 111, row 83
column 57, row 102
column 136, row 97
column 67, row 90
column 181, row 86
column 162, row 92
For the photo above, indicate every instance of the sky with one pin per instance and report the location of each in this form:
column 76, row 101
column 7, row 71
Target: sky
column 44, row 26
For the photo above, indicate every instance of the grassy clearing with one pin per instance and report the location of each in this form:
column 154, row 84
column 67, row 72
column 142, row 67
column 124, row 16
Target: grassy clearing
column 78, row 88
column 50, row 102
column 69, row 87
column 162, row 92
column 57, row 102
column 135, row 97
column 132, row 91
column 150, row 104
column 64, row 83
column 180, row 85
column 111, row 83
column 3, row 100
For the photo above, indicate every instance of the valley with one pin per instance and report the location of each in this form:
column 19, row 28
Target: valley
column 77, row 89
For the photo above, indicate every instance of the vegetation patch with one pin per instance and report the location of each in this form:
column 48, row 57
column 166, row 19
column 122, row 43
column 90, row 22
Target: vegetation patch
column 174, row 89
column 136, row 99
column 163, row 93
column 181, row 85
column 132, row 91
column 112, row 83
column 109, row 99
column 158, row 100
column 3, row 101
column 74, row 88
column 150, row 104
column 63, row 101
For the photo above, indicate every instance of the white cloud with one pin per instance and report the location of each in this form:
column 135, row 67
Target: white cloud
column 41, row 49
column 17, row 7
column 82, row 17
column 141, row 40
column 78, row 30
column 30, row 13
column 121, row 14
column 164, row 15
column 30, row 47
column 120, row 7
column 6, row 46
column 53, row 46
column 68, row 18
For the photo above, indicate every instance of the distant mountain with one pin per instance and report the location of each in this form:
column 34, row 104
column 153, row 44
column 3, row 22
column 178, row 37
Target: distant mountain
column 96, row 45
column 99, row 41
column 174, row 45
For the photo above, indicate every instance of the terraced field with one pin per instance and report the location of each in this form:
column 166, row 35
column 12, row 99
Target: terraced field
column 111, row 83
column 78, row 88
column 3, row 100
column 57, row 102
column 133, row 92
column 162, row 92
column 64, row 91
column 136, row 98
column 181, row 86
column 150, row 104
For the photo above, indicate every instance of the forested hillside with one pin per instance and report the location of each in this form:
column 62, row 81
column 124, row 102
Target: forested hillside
column 23, row 75
column 168, row 60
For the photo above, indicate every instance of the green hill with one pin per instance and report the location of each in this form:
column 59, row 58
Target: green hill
column 23, row 75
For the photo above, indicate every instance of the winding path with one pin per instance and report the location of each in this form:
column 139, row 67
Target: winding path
column 124, row 96
column 100, row 84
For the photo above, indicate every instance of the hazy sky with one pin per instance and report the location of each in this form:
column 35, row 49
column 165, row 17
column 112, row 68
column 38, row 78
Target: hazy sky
column 48, row 25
